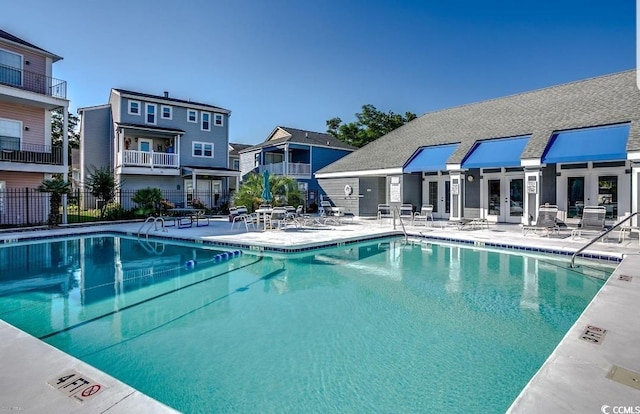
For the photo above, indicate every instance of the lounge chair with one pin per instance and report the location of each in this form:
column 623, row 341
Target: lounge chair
column 328, row 215
column 592, row 222
column 546, row 221
column 465, row 223
column 406, row 212
column 384, row 211
column 426, row 213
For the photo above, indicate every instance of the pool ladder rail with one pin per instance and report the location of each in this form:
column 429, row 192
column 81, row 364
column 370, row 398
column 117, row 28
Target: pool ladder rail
column 598, row 237
column 152, row 222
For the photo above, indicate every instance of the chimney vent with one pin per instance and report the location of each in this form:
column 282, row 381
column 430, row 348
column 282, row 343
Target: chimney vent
column 166, row 94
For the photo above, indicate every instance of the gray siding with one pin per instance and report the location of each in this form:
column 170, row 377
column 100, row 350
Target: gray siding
column 247, row 161
column 472, row 192
column 95, row 140
column 218, row 135
column 412, row 190
column 169, row 184
column 548, row 194
column 334, row 191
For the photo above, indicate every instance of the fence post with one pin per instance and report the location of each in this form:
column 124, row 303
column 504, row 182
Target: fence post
column 26, row 203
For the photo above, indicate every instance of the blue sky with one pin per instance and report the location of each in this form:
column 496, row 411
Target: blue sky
column 300, row 62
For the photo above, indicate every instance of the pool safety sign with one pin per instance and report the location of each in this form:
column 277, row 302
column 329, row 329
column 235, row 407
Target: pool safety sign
column 75, row 385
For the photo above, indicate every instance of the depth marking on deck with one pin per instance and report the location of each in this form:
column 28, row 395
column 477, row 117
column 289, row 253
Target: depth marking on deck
column 625, row 278
column 593, row 334
column 76, row 386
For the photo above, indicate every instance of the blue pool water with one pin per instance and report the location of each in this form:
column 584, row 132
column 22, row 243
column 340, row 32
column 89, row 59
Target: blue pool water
column 384, row 326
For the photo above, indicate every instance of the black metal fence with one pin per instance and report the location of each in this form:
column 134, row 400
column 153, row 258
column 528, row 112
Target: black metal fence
column 20, row 207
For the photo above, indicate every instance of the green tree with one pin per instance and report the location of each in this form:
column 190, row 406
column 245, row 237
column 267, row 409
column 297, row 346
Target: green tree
column 56, row 130
column 57, row 188
column 148, row 201
column 101, row 183
column 370, row 125
column 284, row 189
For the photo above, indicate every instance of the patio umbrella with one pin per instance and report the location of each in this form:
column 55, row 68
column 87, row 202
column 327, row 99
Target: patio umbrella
column 266, row 190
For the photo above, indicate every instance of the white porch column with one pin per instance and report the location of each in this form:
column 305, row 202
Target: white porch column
column 457, row 195
column 532, row 185
column 286, row 159
column 635, row 190
column 65, row 156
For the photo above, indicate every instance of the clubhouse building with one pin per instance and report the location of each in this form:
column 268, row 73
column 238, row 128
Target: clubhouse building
column 572, row 145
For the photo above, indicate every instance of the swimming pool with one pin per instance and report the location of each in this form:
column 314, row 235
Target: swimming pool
column 383, row 326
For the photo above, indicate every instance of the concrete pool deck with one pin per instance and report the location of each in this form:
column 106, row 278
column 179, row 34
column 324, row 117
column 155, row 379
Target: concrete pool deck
column 573, row 379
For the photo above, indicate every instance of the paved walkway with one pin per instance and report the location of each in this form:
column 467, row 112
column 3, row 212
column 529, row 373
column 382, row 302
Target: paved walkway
column 574, row 378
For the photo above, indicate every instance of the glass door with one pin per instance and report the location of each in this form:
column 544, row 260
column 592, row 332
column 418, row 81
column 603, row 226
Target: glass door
column 438, row 194
column 516, row 200
column 575, row 196
column 494, row 211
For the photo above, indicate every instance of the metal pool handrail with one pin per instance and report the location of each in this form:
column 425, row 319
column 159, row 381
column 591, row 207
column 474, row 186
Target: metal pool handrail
column 397, row 211
column 598, row 237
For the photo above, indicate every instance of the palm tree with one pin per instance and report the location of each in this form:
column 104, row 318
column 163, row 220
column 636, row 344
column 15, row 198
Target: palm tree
column 57, row 187
column 284, row 189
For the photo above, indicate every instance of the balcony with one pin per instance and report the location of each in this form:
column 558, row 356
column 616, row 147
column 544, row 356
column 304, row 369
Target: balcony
column 150, row 159
column 295, row 169
column 11, row 149
column 33, row 82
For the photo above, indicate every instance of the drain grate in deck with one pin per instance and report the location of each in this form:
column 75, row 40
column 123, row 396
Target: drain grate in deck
column 593, row 334
column 625, row 376
column 625, row 278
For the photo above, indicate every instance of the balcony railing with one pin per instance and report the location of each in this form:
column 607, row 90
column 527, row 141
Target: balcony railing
column 295, row 169
column 11, row 149
column 150, row 159
column 34, row 82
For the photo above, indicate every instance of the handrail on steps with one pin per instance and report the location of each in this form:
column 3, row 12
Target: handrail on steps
column 153, row 222
column 598, row 237
column 406, row 237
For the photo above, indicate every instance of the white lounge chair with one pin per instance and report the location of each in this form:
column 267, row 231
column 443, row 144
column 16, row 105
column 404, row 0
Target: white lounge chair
column 546, row 221
column 592, row 222
column 425, row 214
column 406, row 213
column 384, row 211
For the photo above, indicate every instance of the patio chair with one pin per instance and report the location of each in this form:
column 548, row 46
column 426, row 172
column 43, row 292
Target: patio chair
column 384, row 211
column 426, row 213
column 238, row 214
column 277, row 218
column 327, row 214
column 406, row 212
column 546, row 221
column 592, row 222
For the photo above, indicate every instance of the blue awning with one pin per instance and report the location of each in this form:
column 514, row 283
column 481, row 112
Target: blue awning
column 430, row 158
column 589, row 144
column 494, row 153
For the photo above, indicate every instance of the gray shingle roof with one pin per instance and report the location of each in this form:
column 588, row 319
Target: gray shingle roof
column 302, row 136
column 603, row 100
column 8, row 36
column 169, row 99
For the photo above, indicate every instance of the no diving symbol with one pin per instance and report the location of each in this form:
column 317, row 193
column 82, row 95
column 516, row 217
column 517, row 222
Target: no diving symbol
column 89, row 391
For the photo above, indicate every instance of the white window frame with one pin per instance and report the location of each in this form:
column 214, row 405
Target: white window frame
column 139, row 107
column 217, row 117
column 190, row 111
column 148, row 105
column 202, row 115
column 20, row 129
column 204, row 146
column 162, row 108
column 21, row 68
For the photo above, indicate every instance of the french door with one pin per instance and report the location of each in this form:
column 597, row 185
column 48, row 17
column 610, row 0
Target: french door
column 437, row 192
column 504, row 198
